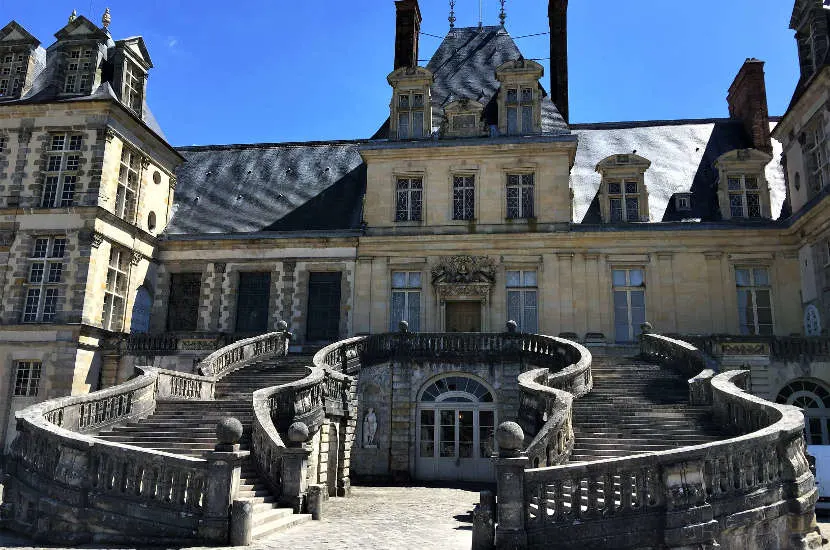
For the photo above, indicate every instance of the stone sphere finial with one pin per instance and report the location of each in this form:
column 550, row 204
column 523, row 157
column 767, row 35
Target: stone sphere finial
column 298, row 432
column 647, row 328
column 403, row 326
column 282, row 326
column 229, row 431
column 512, row 327
column 510, row 437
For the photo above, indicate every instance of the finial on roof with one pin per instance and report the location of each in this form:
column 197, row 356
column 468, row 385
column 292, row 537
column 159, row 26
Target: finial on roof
column 106, row 19
column 451, row 18
column 73, row 15
column 502, row 14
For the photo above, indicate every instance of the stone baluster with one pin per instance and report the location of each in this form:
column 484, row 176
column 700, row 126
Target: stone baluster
column 510, row 471
column 294, row 467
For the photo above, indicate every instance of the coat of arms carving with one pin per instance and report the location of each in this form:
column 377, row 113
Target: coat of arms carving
column 464, row 270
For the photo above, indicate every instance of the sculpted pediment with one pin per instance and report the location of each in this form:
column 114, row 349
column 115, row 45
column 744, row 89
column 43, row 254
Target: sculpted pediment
column 464, row 270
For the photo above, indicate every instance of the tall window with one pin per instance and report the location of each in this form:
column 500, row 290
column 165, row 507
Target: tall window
column 133, row 86
column 115, row 295
column 78, row 71
column 12, row 67
column 63, row 161
column 815, row 151
column 629, row 303
column 183, row 305
column 410, row 115
column 252, row 300
column 754, row 300
column 519, row 110
column 45, row 277
column 522, row 303
column 463, row 197
column 406, row 300
column 520, row 196
column 624, row 201
column 128, row 177
column 27, row 378
column 744, row 197
column 409, row 200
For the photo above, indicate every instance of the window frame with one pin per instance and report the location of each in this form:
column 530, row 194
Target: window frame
column 408, row 291
column 116, row 290
column 519, row 107
column 61, row 193
column 463, row 189
column 410, row 193
column 753, row 288
column 126, row 170
column 42, row 296
column 523, row 290
column 132, row 91
column 628, row 288
column 13, row 66
column 522, row 213
column 25, row 384
column 623, row 196
column 77, row 70
column 743, row 192
column 411, row 111
column 816, row 157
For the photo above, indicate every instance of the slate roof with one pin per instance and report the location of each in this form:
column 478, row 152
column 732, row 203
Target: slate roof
column 269, row 187
column 682, row 154
column 464, row 66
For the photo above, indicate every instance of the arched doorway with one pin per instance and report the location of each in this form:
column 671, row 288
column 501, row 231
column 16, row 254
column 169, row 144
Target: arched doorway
column 455, row 432
column 813, row 398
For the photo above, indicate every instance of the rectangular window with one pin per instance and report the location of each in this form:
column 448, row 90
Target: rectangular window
column 522, row 304
column 410, row 116
column 128, row 179
column 815, row 153
column 27, row 378
column 754, row 300
column 519, row 111
column 520, row 196
column 252, row 301
column 133, row 86
column 115, row 294
column 629, row 303
column 624, row 201
column 744, row 197
column 409, row 199
column 61, row 173
column 78, row 74
column 463, row 197
column 406, row 300
column 45, row 276
column 183, row 304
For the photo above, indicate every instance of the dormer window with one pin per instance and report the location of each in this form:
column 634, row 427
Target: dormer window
column 743, row 192
column 410, row 116
column 79, row 72
column 133, row 87
column 815, row 153
column 623, row 194
column 519, row 111
column 683, row 202
column 12, row 73
column 520, row 98
column 463, row 118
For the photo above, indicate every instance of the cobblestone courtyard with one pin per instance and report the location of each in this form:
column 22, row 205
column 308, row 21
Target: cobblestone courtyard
column 372, row 518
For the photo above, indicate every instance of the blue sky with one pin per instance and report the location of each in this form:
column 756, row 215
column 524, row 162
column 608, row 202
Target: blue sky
column 267, row 71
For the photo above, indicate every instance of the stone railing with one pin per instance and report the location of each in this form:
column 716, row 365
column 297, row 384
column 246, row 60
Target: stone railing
column 792, row 348
column 153, row 496
column 170, row 343
column 244, row 352
column 698, row 496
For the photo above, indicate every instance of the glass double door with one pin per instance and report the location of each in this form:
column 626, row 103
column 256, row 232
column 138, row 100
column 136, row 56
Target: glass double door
column 456, row 442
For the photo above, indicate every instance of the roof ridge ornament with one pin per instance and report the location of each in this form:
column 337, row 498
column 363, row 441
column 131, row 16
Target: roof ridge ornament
column 73, row 15
column 452, row 18
column 502, row 13
column 106, row 19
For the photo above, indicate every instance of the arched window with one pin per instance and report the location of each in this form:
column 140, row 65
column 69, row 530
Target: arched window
column 457, row 389
column 814, row 400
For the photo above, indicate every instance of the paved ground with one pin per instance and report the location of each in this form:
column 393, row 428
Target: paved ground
column 373, row 518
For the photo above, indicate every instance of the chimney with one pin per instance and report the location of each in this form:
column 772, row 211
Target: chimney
column 748, row 103
column 407, row 31
column 558, row 16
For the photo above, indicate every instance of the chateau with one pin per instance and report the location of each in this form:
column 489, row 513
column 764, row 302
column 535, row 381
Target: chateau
column 474, row 204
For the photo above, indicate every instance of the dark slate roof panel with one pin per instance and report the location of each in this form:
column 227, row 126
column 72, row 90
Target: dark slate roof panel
column 682, row 156
column 251, row 188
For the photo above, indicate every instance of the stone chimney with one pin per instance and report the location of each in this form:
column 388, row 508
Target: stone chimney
column 407, row 31
column 558, row 16
column 748, row 103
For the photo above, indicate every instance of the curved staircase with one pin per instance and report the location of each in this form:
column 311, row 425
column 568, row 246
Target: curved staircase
column 189, row 428
column 637, row 407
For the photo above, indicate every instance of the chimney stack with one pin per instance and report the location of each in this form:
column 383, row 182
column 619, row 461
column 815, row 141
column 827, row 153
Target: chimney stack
column 407, row 32
column 558, row 16
column 748, row 103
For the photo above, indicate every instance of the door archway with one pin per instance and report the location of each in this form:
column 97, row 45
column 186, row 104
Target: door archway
column 455, row 429
column 813, row 399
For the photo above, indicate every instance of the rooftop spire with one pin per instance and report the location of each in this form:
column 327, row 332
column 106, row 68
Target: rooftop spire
column 451, row 18
column 502, row 14
column 106, row 19
column 73, row 15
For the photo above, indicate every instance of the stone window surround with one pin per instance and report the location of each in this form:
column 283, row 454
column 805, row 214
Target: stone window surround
column 409, row 174
column 613, row 170
column 520, row 171
column 63, row 171
column 743, row 162
column 409, row 81
column 32, row 384
column 751, row 264
column 473, row 171
column 44, row 285
column 518, row 74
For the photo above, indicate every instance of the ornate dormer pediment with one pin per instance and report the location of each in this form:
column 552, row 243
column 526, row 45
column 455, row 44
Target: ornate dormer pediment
column 464, row 118
column 464, row 270
column 15, row 35
column 81, row 28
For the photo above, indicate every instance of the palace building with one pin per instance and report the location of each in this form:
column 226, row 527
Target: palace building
column 476, row 202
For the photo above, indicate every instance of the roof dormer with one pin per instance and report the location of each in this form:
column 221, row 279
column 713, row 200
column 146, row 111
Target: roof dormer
column 411, row 109
column 520, row 97
column 809, row 21
column 131, row 65
column 17, row 61
column 81, row 50
column 623, row 195
column 743, row 191
column 464, row 118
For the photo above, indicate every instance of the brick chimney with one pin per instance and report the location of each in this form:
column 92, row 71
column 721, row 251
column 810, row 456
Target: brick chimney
column 748, row 103
column 558, row 16
column 407, row 31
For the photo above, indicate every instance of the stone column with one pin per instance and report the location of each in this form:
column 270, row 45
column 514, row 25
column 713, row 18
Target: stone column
column 510, row 473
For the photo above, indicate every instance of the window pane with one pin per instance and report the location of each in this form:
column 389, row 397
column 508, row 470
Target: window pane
column 751, row 182
column 621, row 300
column 514, row 306
column 761, row 277
column 529, row 319
column 632, row 209
column 736, row 206
column 630, row 188
column 638, row 299
column 399, row 279
column 414, row 279
column 527, row 119
column 514, row 278
column 512, row 120
column 734, row 184
column 616, row 210
column 636, row 277
column 414, row 311
column 398, row 310
column 403, row 125
column 530, row 278
column 418, row 124
column 614, row 188
column 619, row 277
column 742, row 277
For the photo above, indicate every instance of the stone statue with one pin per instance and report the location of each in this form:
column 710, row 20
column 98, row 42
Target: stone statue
column 370, row 429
